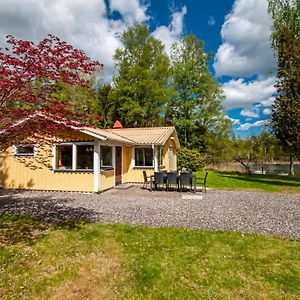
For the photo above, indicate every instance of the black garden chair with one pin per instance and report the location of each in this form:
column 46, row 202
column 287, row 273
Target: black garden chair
column 147, row 179
column 202, row 182
column 186, row 178
column 160, row 178
column 172, row 178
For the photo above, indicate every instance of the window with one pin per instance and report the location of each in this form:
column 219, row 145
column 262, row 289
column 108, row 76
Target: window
column 85, row 155
column 64, row 157
column 106, row 157
column 24, row 150
column 160, row 156
column 143, row 157
column 74, row 157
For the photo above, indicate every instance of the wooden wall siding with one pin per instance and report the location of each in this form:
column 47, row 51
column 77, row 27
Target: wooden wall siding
column 107, row 180
column 36, row 172
column 127, row 155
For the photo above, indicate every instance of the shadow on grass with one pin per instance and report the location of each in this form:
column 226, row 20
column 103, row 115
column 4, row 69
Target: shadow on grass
column 26, row 220
column 264, row 179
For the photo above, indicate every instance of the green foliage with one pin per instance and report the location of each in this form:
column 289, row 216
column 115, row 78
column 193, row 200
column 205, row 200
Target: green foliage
column 195, row 108
column 89, row 100
column 104, row 106
column 81, row 97
column 140, row 91
column 190, row 159
column 286, row 109
column 219, row 143
column 243, row 152
column 262, row 148
column 286, row 14
column 268, row 148
column 286, row 43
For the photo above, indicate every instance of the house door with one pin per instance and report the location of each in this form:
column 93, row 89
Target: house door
column 118, row 171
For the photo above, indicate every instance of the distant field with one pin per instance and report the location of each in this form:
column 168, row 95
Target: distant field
column 93, row 261
column 238, row 181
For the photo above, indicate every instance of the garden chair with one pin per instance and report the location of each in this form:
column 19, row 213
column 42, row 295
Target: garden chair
column 147, row 179
column 172, row 178
column 186, row 178
column 159, row 178
column 202, row 182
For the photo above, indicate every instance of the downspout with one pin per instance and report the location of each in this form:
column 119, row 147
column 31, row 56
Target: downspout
column 155, row 157
column 96, row 166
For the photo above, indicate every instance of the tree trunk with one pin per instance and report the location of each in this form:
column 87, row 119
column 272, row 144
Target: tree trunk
column 248, row 169
column 291, row 170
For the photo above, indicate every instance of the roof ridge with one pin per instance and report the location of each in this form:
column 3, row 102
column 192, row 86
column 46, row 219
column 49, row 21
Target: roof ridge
column 118, row 135
column 137, row 128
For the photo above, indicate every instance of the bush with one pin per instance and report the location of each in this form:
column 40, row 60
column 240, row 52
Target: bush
column 190, row 159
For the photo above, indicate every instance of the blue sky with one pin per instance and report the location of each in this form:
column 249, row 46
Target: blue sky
column 237, row 32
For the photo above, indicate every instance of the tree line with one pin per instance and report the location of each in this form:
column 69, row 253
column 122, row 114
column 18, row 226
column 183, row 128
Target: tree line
column 151, row 88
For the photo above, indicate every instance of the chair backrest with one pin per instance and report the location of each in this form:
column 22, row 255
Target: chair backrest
column 185, row 178
column 159, row 177
column 172, row 177
column 145, row 175
column 205, row 177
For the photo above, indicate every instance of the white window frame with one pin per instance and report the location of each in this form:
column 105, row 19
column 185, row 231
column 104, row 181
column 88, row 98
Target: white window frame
column 15, row 150
column 160, row 158
column 143, row 147
column 74, row 156
column 111, row 167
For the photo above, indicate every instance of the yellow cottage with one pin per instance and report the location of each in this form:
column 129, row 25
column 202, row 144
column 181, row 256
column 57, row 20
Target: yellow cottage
column 89, row 159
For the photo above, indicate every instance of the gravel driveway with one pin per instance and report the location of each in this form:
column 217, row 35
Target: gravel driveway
column 266, row 213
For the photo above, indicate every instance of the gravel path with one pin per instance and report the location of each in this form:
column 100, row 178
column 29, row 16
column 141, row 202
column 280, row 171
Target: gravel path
column 266, row 213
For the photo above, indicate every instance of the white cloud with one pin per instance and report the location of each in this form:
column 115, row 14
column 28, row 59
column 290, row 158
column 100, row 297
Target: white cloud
column 85, row 25
column 170, row 34
column 246, row 48
column 241, row 94
column 234, row 121
column 268, row 102
column 267, row 111
column 247, row 126
column 211, row 21
column 131, row 10
column 249, row 113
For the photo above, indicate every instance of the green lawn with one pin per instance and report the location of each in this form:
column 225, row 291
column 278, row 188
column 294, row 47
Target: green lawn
column 94, row 261
column 238, row 181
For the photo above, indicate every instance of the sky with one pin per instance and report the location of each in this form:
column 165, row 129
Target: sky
column 236, row 32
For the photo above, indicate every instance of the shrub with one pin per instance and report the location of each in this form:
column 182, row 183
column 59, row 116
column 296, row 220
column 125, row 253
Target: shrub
column 190, row 159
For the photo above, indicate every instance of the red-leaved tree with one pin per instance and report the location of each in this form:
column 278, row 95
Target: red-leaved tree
column 28, row 74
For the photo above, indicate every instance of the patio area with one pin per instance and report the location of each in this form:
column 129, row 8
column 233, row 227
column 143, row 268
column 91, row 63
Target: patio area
column 255, row 212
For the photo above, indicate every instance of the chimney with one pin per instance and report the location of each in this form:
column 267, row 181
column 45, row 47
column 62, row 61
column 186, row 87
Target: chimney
column 117, row 125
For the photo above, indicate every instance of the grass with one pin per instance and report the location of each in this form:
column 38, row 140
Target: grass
column 238, row 181
column 94, row 261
